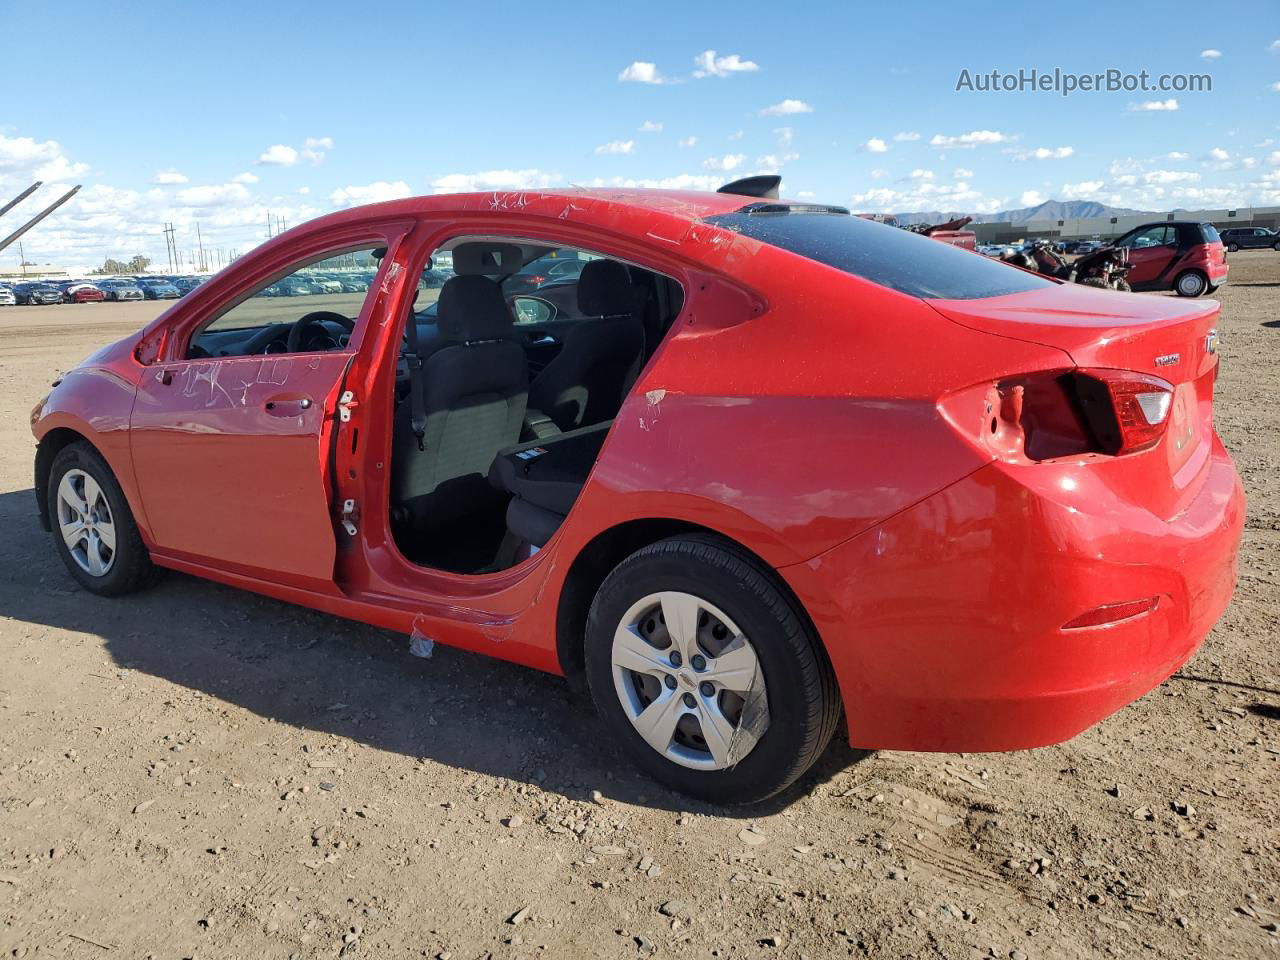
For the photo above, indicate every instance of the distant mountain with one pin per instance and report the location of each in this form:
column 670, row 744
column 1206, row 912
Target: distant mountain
column 1049, row 210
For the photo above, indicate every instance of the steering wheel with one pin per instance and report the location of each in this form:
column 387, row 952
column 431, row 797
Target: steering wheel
column 317, row 318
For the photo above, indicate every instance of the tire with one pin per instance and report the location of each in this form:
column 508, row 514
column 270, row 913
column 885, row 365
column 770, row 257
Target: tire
column 1094, row 282
column 1232, row 247
column 128, row 567
column 1191, row 283
column 1122, row 285
column 787, row 711
column 1276, row 245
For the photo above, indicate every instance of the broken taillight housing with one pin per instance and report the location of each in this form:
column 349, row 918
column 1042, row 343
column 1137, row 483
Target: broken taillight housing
column 1083, row 411
column 1110, row 613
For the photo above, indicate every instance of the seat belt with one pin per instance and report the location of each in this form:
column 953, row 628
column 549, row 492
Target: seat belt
column 417, row 385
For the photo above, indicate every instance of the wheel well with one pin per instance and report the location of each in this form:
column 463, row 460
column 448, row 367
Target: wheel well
column 49, row 447
column 598, row 558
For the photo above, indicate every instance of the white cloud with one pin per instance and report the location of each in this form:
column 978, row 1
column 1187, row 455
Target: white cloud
column 35, row 160
column 924, row 195
column 1154, row 105
column 1032, row 198
column 784, row 135
column 683, row 181
column 785, row 108
column 314, row 148
column 1217, row 153
column 1084, row 190
column 278, row 155
column 1210, row 54
column 969, row 140
column 219, row 195
column 1176, row 155
column 245, row 177
column 875, row 145
column 616, row 147
column 919, row 174
column 962, row 174
column 169, row 177
column 772, row 162
column 1045, row 153
column 730, row 161
column 688, row 141
column 304, row 190
column 906, row 136
column 1275, row 46
column 737, row 135
column 495, row 180
column 879, row 174
column 1169, row 176
column 707, row 64
column 650, row 126
column 375, row 192
column 1276, row 86
column 641, row 71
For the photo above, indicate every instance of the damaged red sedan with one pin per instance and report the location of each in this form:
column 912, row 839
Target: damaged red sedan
column 749, row 467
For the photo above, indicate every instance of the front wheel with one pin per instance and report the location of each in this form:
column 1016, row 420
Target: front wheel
column 707, row 673
column 93, row 528
column 1121, row 284
column 1276, row 245
column 1190, row 284
column 1233, row 247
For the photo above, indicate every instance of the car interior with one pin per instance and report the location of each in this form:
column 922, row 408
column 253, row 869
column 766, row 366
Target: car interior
column 518, row 357
column 511, row 375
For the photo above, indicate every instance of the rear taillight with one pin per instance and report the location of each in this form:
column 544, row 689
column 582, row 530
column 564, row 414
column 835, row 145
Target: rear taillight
column 1125, row 411
column 1055, row 414
column 1112, row 613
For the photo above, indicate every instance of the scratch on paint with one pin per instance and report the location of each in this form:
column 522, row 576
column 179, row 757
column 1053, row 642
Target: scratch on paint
column 207, row 374
column 393, row 271
column 654, row 399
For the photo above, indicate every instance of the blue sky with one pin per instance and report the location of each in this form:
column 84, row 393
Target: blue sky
column 221, row 112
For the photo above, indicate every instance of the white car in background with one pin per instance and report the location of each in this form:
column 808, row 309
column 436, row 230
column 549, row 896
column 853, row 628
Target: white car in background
column 7, row 299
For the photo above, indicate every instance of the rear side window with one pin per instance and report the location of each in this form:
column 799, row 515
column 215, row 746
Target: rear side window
column 898, row 259
column 1210, row 233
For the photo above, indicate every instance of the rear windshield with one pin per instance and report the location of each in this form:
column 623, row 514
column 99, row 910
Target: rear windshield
column 1210, row 233
column 898, row 259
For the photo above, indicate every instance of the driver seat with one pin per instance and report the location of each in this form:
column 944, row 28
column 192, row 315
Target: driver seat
column 474, row 393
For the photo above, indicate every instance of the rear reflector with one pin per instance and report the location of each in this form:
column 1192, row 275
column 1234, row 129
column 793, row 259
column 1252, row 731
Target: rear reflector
column 1112, row 613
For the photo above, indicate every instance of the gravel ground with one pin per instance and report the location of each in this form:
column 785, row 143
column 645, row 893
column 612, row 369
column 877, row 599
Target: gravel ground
column 198, row 772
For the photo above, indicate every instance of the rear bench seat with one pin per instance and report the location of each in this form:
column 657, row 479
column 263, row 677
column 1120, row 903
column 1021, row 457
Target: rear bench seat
column 544, row 478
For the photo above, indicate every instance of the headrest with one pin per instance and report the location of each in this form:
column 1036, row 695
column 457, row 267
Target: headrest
column 472, row 308
column 605, row 289
column 492, row 259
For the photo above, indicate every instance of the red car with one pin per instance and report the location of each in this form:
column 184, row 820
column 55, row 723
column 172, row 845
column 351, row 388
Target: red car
column 81, row 293
column 782, row 467
column 1185, row 256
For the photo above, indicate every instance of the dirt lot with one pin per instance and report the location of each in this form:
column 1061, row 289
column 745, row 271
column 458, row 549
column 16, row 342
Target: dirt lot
column 197, row 772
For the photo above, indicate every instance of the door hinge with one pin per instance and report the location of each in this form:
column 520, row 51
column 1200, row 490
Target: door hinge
column 346, row 403
column 350, row 514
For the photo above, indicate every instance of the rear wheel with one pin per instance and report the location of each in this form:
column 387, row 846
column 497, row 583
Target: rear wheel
column 1233, row 247
column 707, row 673
column 93, row 528
column 1191, row 284
column 1122, row 285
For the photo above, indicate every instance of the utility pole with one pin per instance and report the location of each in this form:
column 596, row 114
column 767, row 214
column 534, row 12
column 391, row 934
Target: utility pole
column 204, row 266
column 22, row 259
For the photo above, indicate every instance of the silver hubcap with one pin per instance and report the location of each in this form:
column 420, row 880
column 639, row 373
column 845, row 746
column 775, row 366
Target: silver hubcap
column 689, row 681
column 1190, row 284
column 85, row 522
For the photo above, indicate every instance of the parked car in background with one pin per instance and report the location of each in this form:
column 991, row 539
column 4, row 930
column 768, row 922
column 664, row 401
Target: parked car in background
column 154, row 288
column 120, row 290
column 7, row 299
column 293, row 287
column 1250, row 238
column 37, row 294
column 323, row 284
column 1081, row 246
column 80, row 291
column 1185, row 256
column 186, row 284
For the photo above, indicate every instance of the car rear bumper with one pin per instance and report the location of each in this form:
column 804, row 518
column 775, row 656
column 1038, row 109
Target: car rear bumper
column 945, row 623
